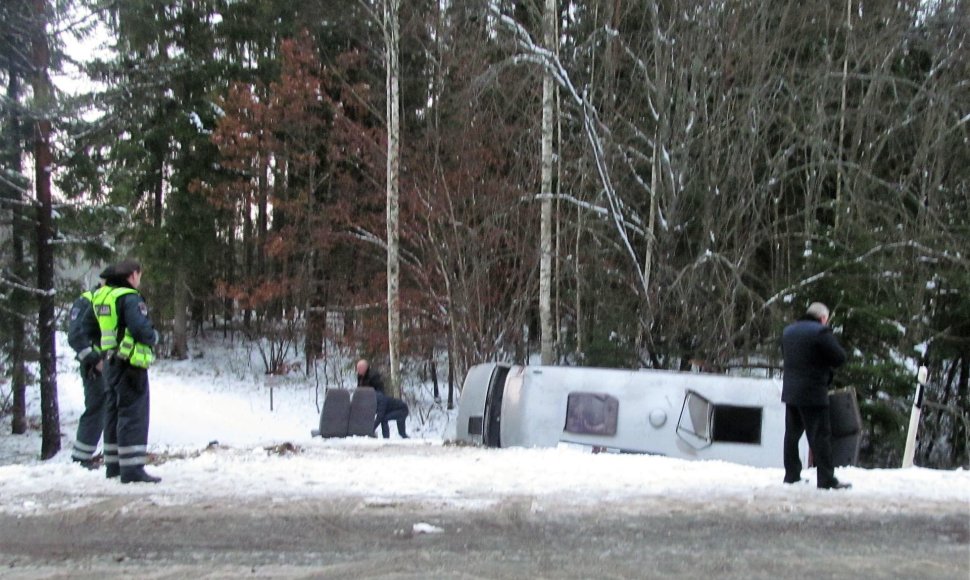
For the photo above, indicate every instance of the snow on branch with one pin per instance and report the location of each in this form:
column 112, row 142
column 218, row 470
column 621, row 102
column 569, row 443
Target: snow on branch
column 27, row 289
column 592, row 126
column 15, row 187
column 633, row 223
column 828, row 272
column 80, row 241
column 711, row 257
column 857, row 260
column 369, row 237
column 372, row 238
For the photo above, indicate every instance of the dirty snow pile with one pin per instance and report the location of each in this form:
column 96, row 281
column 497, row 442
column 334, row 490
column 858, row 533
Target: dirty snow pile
column 214, row 437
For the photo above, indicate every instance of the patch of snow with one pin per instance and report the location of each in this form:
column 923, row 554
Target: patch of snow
column 424, row 528
column 213, row 437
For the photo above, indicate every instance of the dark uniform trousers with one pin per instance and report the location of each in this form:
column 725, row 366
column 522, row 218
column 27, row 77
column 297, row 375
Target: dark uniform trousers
column 390, row 409
column 91, row 423
column 126, row 417
column 816, row 423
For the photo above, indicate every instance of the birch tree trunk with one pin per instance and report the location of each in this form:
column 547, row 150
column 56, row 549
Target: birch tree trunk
column 651, row 224
column 547, row 336
column 839, row 177
column 43, row 161
column 391, row 40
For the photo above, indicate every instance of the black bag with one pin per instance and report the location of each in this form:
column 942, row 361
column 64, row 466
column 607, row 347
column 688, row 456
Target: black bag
column 846, row 427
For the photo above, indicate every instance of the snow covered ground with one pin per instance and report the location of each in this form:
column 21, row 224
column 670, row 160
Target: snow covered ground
column 215, row 438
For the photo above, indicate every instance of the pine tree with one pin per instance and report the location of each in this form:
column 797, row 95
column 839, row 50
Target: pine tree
column 14, row 196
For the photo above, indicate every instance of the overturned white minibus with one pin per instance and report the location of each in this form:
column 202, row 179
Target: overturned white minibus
column 677, row 414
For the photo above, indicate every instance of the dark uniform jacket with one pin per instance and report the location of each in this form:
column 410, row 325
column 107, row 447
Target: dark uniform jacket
column 133, row 315
column 83, row 332
column 371, row 379
column 811, row 355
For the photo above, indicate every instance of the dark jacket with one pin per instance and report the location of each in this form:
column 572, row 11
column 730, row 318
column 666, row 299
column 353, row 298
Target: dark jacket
column 83, row 332
column 133, row 315
column 371, row 379
column 811, row 355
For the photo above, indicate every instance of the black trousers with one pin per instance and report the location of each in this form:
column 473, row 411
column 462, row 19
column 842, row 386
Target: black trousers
column 91, row 423
column 816, row 424
column 391, row 409
column 126, row 416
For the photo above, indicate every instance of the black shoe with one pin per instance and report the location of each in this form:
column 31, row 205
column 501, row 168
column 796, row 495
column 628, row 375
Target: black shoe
column 836, row 485
column 88, row 464
column 112, row 470
column 791, row 481
column 138, row 475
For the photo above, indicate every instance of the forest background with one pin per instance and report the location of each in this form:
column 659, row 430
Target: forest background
column 623, row 183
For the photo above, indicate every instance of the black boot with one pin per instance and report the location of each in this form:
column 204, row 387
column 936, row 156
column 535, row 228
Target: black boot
column 385, row 430
column 836, row 484
column 88, row 464
column 137, row 475
column 112, row 470
column 400, row 429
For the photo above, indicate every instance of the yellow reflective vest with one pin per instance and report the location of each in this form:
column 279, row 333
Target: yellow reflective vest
column 105, row 303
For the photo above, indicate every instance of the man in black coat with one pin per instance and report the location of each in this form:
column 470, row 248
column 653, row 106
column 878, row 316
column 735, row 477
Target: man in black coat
column 388, row 408
column 811, row 355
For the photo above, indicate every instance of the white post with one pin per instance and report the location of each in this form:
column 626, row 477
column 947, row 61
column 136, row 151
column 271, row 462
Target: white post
column 910, row 449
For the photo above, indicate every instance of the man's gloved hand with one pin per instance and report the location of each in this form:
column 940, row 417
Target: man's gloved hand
column 91, row 365
column 92, row 371
column 92, row 358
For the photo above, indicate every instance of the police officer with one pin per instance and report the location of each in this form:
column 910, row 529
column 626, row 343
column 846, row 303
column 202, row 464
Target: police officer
column 127, row 337
column 84, row 336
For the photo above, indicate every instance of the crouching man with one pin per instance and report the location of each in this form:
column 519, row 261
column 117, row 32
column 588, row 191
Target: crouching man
column 388, row 408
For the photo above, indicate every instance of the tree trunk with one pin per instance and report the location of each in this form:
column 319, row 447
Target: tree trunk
column 180, row 300
column 262, row 221
column 229, row 260
column 158, row 191
column 451, row 382
column 316, row 323
column 391, row 40
column 249, row 253
column 547, row 338
column 18, row 331
column 652, row 219
column 839, row 177
column 43, row 161
column 963, row 388
column 578, row 274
